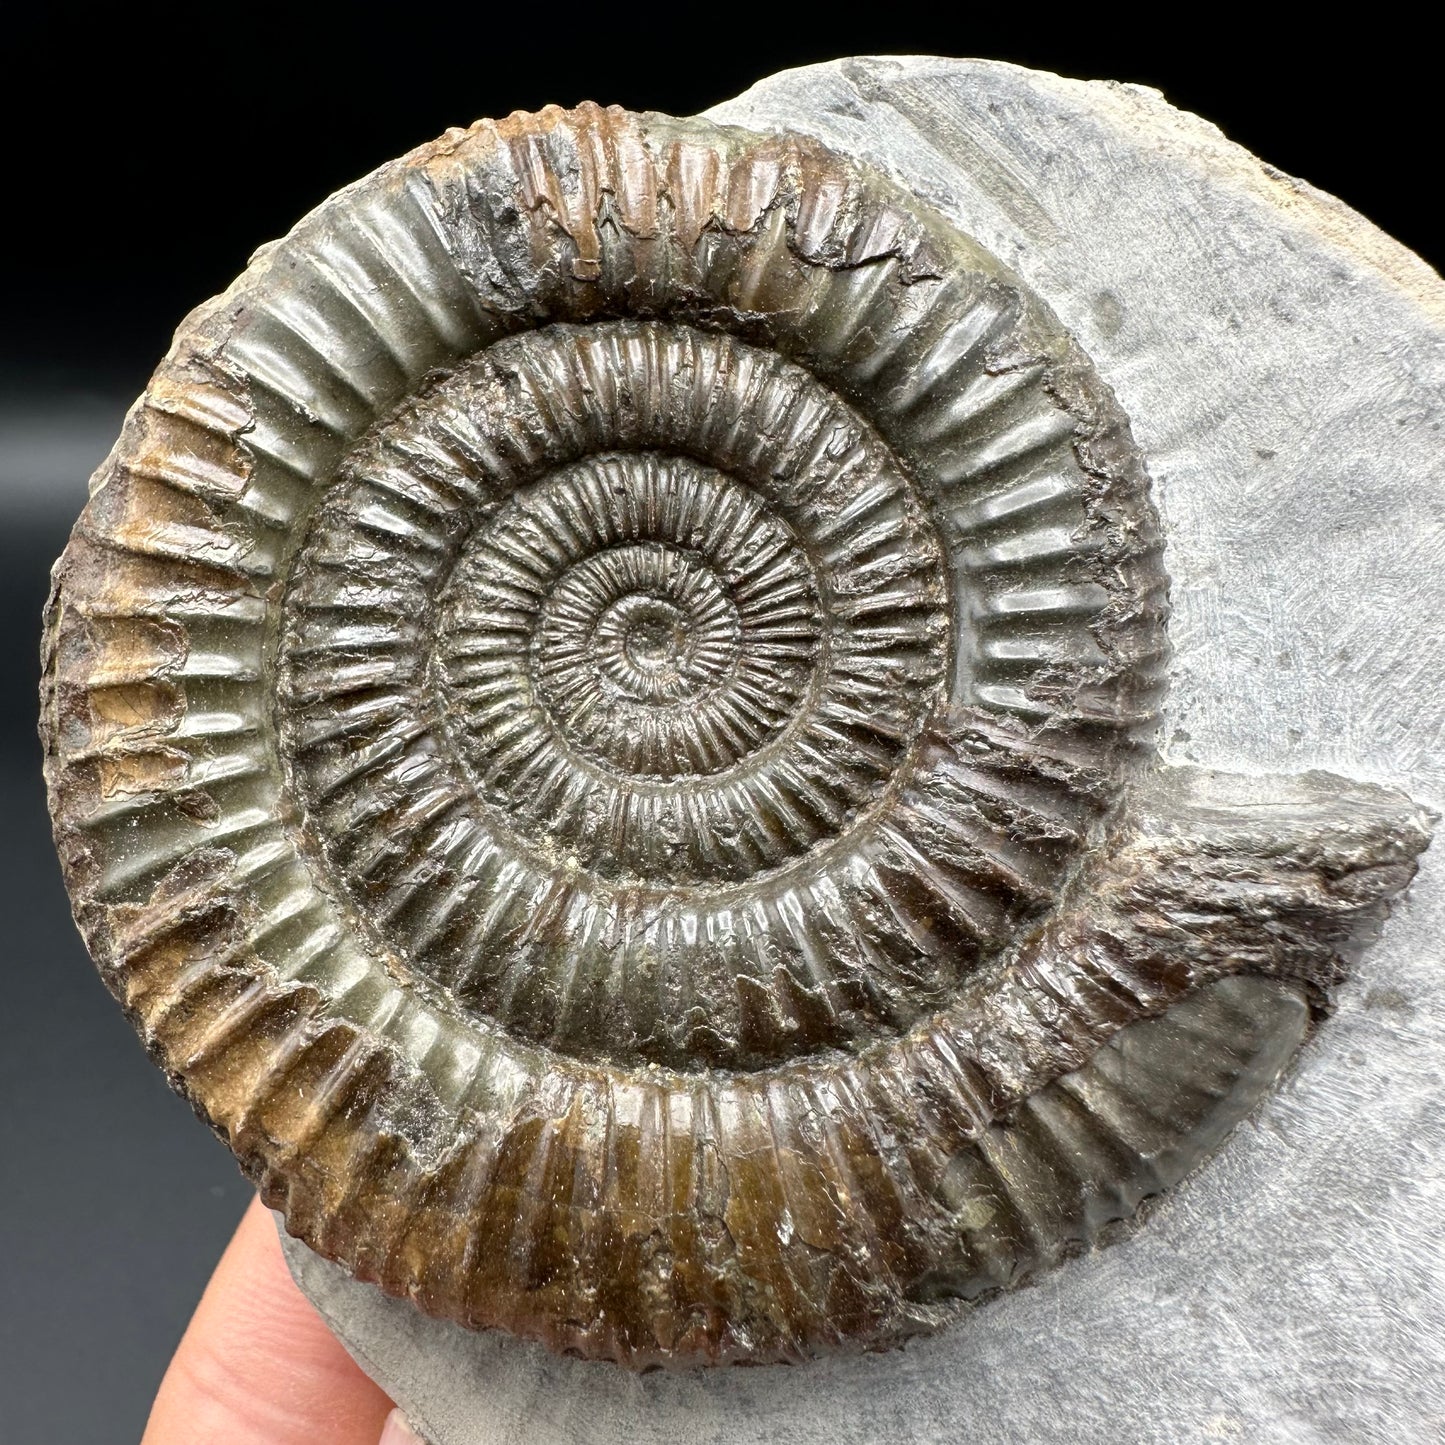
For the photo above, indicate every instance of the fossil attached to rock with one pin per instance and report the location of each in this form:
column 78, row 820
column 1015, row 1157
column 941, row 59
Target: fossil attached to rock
column 599, row 719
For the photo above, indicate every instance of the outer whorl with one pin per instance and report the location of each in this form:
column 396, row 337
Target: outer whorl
column 592, row 718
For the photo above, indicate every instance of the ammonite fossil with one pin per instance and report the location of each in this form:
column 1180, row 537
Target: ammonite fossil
column 599, row 721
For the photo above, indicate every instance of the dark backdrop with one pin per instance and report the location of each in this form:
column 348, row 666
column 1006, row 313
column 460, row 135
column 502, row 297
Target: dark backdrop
column 146, row 155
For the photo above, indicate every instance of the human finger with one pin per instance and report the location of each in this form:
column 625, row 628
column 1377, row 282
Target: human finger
column 258, row 1366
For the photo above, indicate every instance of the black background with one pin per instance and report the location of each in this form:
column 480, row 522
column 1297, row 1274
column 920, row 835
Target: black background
column 147, row 153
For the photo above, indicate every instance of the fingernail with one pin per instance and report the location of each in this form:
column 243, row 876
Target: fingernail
column 398, row 1431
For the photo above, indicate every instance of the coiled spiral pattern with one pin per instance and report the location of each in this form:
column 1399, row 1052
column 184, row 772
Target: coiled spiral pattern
column 620, row 701
column 580, row 668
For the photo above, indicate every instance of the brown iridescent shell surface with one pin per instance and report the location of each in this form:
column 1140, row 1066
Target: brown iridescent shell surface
column 598, row 721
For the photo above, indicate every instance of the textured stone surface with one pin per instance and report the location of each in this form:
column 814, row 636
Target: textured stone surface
column 1280, row 362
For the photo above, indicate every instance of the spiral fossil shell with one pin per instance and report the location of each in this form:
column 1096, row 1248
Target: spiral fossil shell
column 597, row 719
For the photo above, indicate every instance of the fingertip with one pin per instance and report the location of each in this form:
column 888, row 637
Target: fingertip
column 399, row 1431
column 258, row 1364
